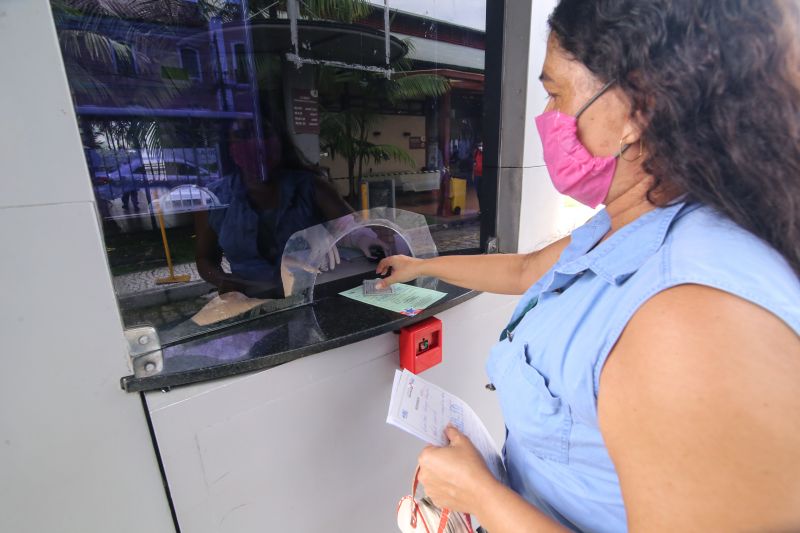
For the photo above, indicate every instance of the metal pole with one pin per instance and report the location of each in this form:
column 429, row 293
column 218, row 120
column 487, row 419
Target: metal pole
column 251, row 67
column 294, row 14
column 387, row 38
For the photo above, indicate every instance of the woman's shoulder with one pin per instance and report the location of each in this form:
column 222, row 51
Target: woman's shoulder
column 704, row 247
column 704, row 239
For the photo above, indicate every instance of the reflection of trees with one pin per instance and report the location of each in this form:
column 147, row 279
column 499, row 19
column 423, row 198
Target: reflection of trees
column 361, row 97
column 345, row 132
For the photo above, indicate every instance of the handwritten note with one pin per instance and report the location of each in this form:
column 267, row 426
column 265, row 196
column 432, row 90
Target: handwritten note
column 424, row 410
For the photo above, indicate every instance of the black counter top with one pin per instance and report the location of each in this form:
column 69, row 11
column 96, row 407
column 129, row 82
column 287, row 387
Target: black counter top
column 330, row 322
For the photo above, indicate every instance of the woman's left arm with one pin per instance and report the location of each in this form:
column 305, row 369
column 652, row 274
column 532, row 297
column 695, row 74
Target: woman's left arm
column 700, row 410
column 456, row 477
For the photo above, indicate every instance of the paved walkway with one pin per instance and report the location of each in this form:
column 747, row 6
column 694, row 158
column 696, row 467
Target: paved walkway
column 143, row 280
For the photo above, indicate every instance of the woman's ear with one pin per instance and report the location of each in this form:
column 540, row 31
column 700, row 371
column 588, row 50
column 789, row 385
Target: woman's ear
column 632, row 129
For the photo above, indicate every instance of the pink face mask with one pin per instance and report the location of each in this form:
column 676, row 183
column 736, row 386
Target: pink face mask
column 573, row 170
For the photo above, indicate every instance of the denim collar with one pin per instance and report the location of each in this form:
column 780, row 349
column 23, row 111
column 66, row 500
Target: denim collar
column 621, row 255
column 613, row 260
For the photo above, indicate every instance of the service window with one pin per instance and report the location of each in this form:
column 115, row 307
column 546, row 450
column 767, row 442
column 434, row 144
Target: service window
column 214, row 131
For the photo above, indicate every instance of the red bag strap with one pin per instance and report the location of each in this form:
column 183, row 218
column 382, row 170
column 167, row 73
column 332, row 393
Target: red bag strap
column 416, row 510
column 415, row 483
column 443, row 519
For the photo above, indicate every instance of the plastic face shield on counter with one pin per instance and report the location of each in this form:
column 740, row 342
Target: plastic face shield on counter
column 307, row 251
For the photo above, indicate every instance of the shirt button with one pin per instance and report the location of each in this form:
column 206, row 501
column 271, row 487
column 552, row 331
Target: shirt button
column 490, row 386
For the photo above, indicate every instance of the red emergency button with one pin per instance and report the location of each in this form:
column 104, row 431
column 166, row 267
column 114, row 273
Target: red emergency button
column 421, row 345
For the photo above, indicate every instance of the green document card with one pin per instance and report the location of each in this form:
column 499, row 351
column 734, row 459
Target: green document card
column 407, row 299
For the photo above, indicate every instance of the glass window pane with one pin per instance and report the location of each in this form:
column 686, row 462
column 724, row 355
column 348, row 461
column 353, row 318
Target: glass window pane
column 215, row 130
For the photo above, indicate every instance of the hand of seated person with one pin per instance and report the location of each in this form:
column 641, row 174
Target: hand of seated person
column 369, row 243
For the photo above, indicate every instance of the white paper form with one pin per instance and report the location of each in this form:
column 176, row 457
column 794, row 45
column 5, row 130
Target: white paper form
column 424, row 410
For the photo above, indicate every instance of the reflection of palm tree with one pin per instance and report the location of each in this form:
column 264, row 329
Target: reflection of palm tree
column 345, row 132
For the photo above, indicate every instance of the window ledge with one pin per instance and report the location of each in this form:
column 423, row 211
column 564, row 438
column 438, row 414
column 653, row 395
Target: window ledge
column 330, row 322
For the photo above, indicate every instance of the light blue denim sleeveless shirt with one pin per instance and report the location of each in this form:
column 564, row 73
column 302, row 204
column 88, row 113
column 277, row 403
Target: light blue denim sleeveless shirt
column 547, row 371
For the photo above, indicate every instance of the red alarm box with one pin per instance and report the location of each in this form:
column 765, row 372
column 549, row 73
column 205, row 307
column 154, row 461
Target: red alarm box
column 421, row 345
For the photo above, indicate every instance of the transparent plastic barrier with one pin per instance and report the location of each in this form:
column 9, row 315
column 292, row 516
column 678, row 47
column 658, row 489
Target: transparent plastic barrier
column 308, row 251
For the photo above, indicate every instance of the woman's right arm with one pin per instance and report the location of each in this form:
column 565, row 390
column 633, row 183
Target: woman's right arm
column 208, row 257
column 497, row 273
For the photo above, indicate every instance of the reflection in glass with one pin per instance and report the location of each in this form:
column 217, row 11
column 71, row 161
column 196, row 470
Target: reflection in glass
column 307, row 252
column 266, row 200
column 215, row 130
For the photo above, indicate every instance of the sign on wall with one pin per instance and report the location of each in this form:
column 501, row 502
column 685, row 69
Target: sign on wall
column 416, row 143
column 305, row 111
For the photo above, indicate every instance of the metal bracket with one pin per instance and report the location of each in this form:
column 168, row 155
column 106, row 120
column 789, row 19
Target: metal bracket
column 144, row 351
column 492, row 246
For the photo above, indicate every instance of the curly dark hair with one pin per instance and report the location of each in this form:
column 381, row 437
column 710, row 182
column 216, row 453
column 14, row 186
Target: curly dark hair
column 715, row 85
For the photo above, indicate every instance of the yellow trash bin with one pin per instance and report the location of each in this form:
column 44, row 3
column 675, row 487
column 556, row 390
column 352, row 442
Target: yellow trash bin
column 364, row 195
column 458, row 195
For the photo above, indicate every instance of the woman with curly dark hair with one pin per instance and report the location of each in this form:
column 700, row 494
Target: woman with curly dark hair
column 650, row 376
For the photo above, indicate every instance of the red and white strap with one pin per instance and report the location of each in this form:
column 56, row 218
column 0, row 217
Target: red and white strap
column 443, row 519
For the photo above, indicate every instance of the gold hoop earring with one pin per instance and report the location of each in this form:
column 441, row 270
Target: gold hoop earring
column 622, row 150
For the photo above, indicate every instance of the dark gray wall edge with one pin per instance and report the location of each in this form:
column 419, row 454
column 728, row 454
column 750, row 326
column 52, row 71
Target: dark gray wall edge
column 515, row 66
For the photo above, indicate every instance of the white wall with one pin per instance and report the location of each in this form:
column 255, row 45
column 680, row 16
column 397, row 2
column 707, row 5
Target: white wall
column 75, row 451
column 544, row 214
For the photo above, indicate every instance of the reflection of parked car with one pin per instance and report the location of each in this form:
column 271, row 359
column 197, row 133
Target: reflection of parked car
column 166, row 171
column 178, row 205
column 188, row 198
column 138, row 172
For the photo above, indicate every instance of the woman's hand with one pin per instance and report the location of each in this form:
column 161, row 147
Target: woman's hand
column 455, row 476
column 403, row 268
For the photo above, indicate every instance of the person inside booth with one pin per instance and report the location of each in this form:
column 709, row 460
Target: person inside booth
column 272, row 194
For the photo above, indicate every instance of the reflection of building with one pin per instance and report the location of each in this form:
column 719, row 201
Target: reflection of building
column 152, row 79
column 191, row 72
column 155, row 63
